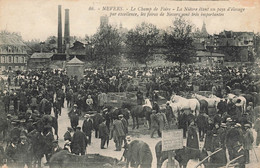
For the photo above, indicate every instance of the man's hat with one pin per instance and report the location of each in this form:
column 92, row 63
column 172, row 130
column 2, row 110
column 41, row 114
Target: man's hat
column 22, row 120
column 70, row 129
column 153, row 111
column 79, row 128
column 105, row 109
column 238, row 125
column 229, row 120
column 9, row 115
column 23, row 137
column 247, row 125
column 121, row 115
column 223, row 125
column 86, row 115
column 75, row 105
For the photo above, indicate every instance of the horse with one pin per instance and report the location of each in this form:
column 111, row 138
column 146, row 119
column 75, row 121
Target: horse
column 235, row 98
column 138, row 111
column 192, row 104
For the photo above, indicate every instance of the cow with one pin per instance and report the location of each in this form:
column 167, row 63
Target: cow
column 138, row 153
column 64, row 159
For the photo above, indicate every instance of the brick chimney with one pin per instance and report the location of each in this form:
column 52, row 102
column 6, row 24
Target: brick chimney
column 67, row 29
column 59, row 30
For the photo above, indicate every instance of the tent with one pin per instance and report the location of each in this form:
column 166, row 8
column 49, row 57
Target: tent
column 75, row 67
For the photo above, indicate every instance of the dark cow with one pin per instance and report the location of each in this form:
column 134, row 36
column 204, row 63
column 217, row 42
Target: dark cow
column 182, row 155
column 138, row 153
column 64, row 159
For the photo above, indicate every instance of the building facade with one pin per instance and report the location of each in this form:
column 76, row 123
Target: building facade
column 13, row 55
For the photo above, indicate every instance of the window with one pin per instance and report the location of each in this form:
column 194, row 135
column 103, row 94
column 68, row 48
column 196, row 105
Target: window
column 16, row 60
column 23, row 60
column 10, row 59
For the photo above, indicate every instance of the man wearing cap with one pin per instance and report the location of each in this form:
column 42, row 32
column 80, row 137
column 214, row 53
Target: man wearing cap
column 118, row 133
column 121, row 117
column 103, row 134
column 248, row 141
column 107, row 117
column 87, row 127
column 79, row 142
column 154, row 124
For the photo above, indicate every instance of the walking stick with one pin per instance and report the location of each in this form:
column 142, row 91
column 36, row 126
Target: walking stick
column 255, row 154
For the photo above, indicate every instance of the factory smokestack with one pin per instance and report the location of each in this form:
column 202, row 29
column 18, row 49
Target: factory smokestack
column 59, row 30
column 67, row 29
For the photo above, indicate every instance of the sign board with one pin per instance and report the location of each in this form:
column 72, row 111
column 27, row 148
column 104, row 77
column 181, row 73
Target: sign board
column 172, row 139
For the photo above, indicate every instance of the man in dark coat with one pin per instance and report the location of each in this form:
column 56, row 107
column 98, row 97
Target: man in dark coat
column 183, row 122
column 57, row 107
column 139, row 96
column 233, row 136
column 103, row 134
column 67, row 135
column 219, row 159
column 48, row 138
column 11, row 154
column 6, row 101
column 202, row 123
column 192, row 139
column 74, row 117
column 24, row 152
column 97, row 119
column 222, row 107
column 87, row 127
column 79, row 142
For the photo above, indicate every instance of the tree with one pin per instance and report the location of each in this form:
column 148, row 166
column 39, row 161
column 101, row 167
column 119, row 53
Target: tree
column 107, row 45
column 141, row 42
column 178, row 42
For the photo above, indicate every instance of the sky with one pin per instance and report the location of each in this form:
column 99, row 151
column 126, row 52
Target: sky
column 37, row 19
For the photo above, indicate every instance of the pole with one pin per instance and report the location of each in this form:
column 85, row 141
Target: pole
column 170, row 158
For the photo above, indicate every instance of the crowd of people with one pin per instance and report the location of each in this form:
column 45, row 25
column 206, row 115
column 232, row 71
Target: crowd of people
column 27, row 120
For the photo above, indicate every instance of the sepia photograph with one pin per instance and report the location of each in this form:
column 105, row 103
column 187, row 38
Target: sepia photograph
column 129, row 83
